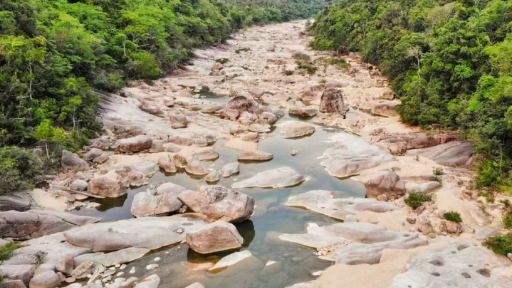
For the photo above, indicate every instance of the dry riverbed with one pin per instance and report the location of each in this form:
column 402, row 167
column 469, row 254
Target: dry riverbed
column 246, row 170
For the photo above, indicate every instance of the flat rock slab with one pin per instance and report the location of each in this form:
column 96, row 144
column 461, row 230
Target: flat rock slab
column 460, row 264
column 275, row 178
column 452, row 154
column 110, row 259
column 215, row 237
column 37, row 223
column 157, row 232
column 16, row 201
column 354, row 242
column 323, row 202
column 351, row 154
column 219, row 203
column 297, row 129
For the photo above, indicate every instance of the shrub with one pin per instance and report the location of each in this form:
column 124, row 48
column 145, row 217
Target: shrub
column 222, row 60
column 415, row 200
column 507, row 219
column 453, row 216
column 501, row 245
column 301, row 57
column 18, row 169
column 7, row 250
column 340, row 63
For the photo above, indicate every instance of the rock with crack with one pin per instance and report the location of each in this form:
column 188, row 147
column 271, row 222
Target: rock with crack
column 219, row 203
column 385, row 183
column 274, row 178
column 230, row 169
column 297, row 129
column 231, row 260
column 134, row 144
column 158, row 232
column 216, row 237
column 323, row 202
column 37, row 223
column 352, row 154
column 157, row 200
column 354, row 242
column 331, row 101
column 254, row 155
column 106, row 187
column 461, row 264
column 110, row 259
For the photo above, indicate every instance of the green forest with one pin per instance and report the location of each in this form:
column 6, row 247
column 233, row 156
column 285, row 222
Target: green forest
column 54, row 52
column 450, row 63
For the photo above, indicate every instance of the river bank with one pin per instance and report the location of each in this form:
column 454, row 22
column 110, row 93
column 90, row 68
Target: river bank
column 328, row 187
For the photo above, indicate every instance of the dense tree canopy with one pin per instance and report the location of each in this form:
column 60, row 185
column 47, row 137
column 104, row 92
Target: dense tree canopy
column 449, row 62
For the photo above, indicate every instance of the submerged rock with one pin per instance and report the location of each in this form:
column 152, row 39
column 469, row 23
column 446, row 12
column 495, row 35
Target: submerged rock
column 230, row 169
column 254, row 155
column 213, row 176
column 231, row 259
column 219, row 203
column 323, row 202
column 275, row 178
column 216, row 237
column 296, row 129
column 110, row 259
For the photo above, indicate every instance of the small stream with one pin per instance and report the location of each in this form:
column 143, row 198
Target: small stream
column 271, row 217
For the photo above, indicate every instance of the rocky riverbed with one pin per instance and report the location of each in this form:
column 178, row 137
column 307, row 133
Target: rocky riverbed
column 262, row 164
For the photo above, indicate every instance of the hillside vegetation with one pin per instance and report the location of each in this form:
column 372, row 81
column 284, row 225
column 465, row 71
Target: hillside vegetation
column 450, row 62
column 53, row 52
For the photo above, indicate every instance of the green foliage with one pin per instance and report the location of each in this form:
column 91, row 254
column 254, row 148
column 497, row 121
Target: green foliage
column 339, row 63
column 18, row 169
column 449, row 62
column 7, row 250
column 415, row 200
column 304, row 63
column 222, row 60
column 53, row 52
column 501, row 245
column 507, row 219
column 453, row 216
